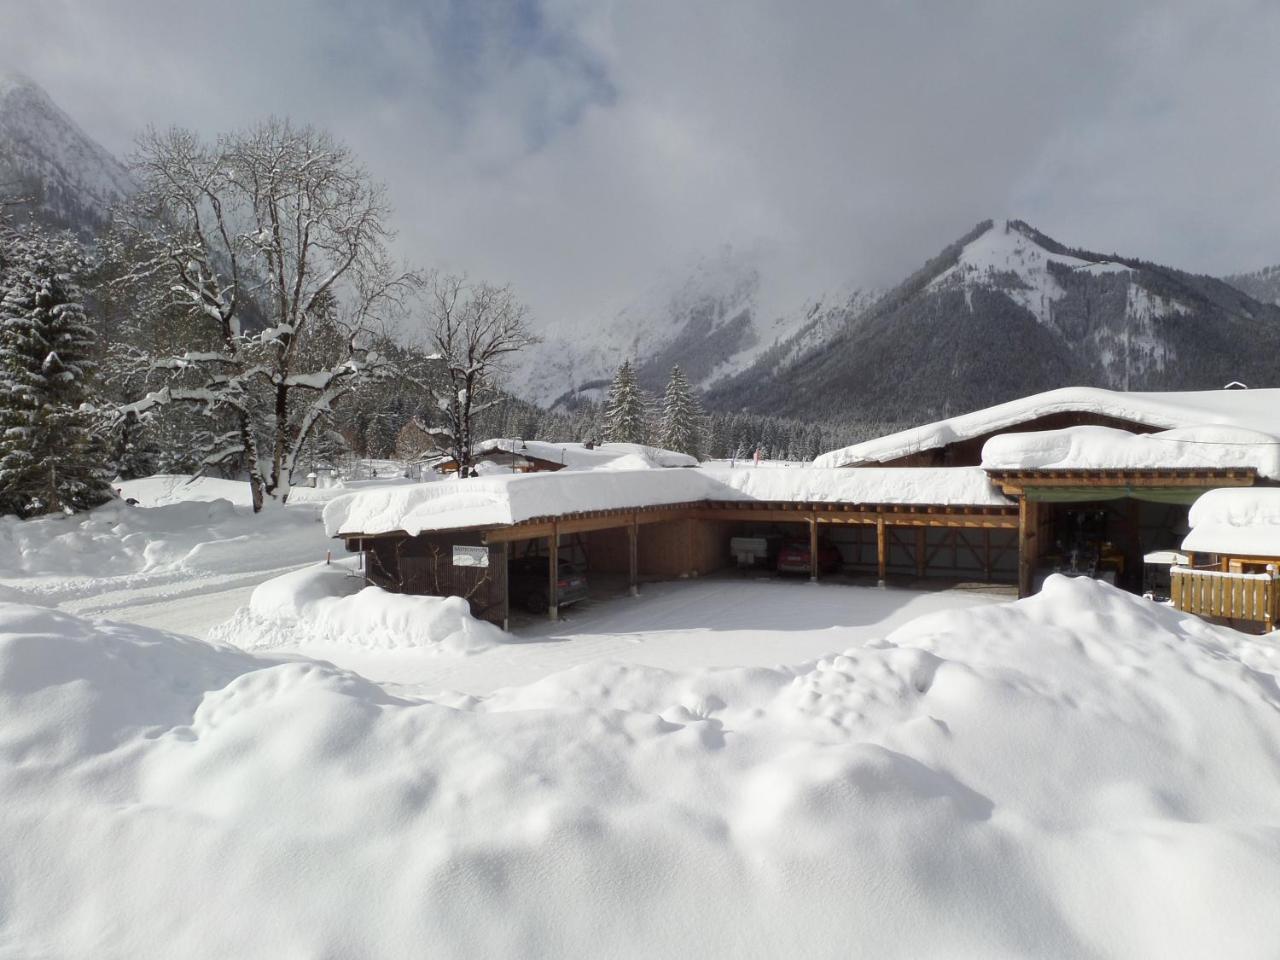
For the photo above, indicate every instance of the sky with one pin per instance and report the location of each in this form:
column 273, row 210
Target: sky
column 579, row 149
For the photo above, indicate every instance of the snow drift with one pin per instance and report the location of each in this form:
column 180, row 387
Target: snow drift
column 1106, row 448
column 1080, row 773
column 1243, row 522
column 330, row 604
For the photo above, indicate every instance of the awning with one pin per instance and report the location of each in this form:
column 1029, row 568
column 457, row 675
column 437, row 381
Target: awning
column 1055, row 494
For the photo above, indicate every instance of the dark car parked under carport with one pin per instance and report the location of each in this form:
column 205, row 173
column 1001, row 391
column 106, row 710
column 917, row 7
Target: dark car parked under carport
column 528, row 583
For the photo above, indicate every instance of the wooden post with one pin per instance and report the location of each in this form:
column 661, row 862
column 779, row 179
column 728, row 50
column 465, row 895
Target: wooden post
column 813, row 549
column 881, row 551
column 633, row 556
column 921, row 559
column 553, row 573
column 986, row 553
column 504, row 552
column 1028, row 542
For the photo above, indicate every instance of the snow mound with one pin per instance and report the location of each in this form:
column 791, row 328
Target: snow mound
column 329, row 604
column 1210, row 446
column 1249, row 409
column 1082, row 773
column 1240, row 522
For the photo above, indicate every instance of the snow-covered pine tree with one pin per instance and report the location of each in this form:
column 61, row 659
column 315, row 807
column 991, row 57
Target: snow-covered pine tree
column 50, row 457
column 682, row 422
column 626, row 410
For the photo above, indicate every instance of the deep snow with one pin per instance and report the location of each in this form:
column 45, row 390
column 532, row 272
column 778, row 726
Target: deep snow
column 1078, row 774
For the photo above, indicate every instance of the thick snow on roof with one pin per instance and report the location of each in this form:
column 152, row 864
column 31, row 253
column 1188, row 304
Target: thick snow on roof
column 1106, row 448
column 499, row 500
column 575, row 456
column 1242, row 522
column 934, row 486
column 1251, row 409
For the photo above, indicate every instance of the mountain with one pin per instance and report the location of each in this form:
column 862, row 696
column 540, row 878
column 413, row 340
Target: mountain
column 1263, row 285
column 714, row 320
column 1006, row 311
column 70, row 179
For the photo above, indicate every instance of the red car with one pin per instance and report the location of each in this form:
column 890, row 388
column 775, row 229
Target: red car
column 794, row 557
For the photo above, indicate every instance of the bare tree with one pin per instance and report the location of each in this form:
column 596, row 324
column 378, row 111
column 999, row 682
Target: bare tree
column 274, row 239
column 472, row 331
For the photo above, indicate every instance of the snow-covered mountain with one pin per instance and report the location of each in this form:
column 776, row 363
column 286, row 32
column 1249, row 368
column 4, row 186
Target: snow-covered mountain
column 1006, row 311
column 715, row 320
column 1263, row 285
column 45, row 156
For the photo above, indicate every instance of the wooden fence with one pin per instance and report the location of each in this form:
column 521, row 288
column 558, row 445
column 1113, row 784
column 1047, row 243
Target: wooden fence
column 1230, row 596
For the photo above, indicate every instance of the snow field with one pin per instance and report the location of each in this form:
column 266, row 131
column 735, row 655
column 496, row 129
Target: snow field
column 1080, row 773
column 329, row 603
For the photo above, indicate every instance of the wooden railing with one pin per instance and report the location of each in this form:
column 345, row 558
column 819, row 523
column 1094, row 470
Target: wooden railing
column 1231, row 596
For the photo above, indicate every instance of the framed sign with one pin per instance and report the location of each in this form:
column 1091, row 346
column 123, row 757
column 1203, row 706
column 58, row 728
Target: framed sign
column 470, row 556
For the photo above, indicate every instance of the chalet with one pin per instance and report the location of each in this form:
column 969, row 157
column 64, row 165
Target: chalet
column 1082, row 481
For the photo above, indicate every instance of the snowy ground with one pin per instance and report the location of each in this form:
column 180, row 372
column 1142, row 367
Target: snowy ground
column 677, row 626
column 719, row 768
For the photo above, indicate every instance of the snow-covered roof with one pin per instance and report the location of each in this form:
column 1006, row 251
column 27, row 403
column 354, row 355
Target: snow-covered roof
column 1251, row 409
column 576, row 456
column 501, row 500
column 1238, row 522
column 1106, row 448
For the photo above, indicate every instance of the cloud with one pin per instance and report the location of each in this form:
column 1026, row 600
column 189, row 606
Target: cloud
column 578, row 148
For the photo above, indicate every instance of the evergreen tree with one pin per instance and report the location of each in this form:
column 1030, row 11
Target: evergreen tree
column 50, row 457
column 681, row 429
column 626, row 411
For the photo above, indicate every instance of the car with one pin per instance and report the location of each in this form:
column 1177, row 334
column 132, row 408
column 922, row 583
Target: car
column 528, row 583
column 794, row 557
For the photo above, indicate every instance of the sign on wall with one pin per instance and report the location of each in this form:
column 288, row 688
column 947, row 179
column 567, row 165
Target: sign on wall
column 470, row 556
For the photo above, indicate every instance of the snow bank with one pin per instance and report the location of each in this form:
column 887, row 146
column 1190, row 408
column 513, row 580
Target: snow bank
column 496, row 500
column 329, row 604
column 1249, row 409
column 118, row 546
column 164, row 489
column 1081, row 773
column 1106, row 448
column 1241, row 522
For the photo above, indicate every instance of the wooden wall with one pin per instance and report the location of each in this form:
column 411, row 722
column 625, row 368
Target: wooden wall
column 423, row 565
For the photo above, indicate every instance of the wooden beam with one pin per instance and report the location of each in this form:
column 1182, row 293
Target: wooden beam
column 504, row 554
column 633, row 557
column 1028, row 545
column 813, row 548
column 922, row 562
column 553, row 574
column 881, row 551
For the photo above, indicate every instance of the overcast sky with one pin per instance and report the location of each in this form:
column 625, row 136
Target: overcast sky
column 577, row 149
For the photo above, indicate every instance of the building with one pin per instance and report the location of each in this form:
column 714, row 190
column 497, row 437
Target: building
column 1233, row 558
column 1083, row 482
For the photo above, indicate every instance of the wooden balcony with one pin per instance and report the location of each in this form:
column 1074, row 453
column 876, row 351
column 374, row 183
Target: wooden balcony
column 1249, row 597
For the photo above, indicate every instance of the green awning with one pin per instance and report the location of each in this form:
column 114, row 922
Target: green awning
column 1180, row 495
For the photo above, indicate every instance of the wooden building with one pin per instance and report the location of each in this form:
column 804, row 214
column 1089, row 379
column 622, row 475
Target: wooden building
column 1080, row 482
